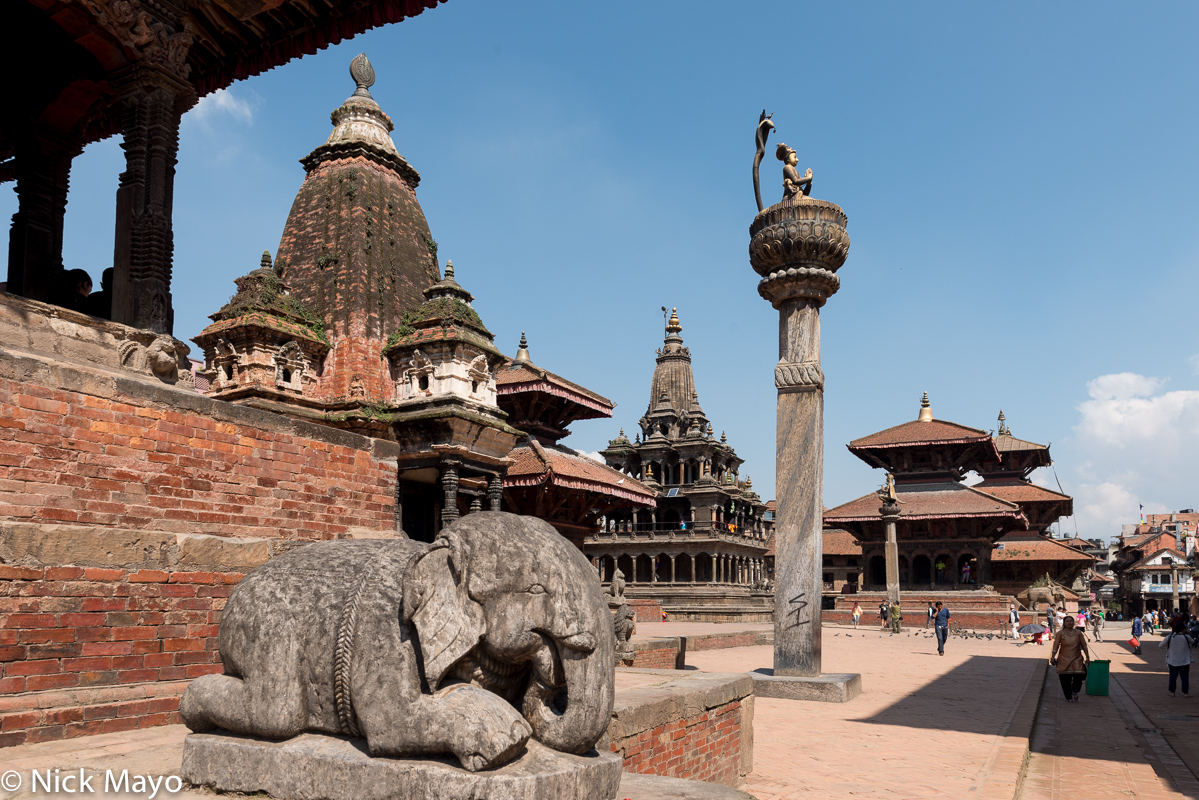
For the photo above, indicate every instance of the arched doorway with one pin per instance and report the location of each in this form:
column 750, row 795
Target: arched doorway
column 662, row 567
column 904, row 571
column 943, row 566
column 922, row 570
column 607, row 568
column 703, row 568
column 967, row 568
column 625, row 565
column 645, row 569
column 878, row 571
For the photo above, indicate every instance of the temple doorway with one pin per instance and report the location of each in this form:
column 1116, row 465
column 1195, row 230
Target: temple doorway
column 922, row 570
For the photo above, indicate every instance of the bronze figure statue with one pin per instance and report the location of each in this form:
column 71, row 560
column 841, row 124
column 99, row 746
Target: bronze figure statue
column 764, row 128
column 793, row 182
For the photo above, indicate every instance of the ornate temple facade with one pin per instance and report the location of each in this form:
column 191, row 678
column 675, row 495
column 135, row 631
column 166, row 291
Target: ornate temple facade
column 355, row 326
column 699, row 551
column 991, row 538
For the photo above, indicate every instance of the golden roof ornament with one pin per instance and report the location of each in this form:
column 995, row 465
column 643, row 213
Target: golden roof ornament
column 522, row 354
column 672, row 325
column 1003, row 428
column 926, row 411
column 723, row 438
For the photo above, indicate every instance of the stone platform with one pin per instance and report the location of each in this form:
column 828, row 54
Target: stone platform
column 840, row 687
column 317, row 767
column 655, row 787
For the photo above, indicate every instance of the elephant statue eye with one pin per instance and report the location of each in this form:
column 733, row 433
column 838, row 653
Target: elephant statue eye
column 536, row 588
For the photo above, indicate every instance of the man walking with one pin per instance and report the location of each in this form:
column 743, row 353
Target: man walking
column 1013, row 618
column 1097, row 624
column 941, row 625
column 1051, row 620
column 1138, row 630
column 896, row 616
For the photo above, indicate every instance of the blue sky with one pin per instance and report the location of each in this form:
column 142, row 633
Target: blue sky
column 1019, row 180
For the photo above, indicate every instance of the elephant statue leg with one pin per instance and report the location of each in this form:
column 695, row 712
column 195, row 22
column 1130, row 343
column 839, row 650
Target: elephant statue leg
column 476, row 725
column 224, row 701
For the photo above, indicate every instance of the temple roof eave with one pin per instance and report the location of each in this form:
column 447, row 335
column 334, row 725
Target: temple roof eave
column 256, row 321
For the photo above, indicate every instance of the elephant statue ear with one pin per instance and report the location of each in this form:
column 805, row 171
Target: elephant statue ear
column 448, row 622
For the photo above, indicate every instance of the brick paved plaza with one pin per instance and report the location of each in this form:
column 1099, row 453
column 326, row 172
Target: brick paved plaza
column 924, row 726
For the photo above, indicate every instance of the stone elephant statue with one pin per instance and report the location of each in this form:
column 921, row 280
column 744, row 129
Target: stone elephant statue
column 1034, row 595
column 495, row 632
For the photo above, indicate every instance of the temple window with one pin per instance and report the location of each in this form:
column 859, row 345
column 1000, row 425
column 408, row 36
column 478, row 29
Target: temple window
column 423, row 383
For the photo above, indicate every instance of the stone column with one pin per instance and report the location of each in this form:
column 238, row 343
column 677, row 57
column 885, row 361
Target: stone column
column 495, row 493
column 43, row 170
column 797, row 246
column 890, row 513
column 449, row 484
column 152, row 100
column 672, row 569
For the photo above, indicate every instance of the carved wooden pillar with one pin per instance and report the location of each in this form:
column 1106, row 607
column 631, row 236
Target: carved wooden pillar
column 449, row 484
column 152, row 101
column 43, row 172
column 495, row 491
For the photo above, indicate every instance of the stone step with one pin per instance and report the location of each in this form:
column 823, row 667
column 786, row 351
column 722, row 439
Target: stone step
column 657, row 787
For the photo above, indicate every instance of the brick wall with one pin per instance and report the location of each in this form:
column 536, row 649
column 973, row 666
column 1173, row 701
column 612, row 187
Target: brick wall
column 656, row 654
column 704, row 747
column 94, row 650
column 161, row 459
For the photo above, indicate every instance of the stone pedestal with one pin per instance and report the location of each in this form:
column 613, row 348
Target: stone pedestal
column 317, row 767
column 833, row 687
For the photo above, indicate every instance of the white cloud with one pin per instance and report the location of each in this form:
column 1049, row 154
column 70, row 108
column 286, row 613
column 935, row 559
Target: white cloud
column 1136, row 444
column 594, row 455
column 223, row 101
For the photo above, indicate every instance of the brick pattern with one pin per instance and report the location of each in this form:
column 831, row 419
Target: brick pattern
column 67, row 457
column 69, row 628
column 704, row 747
column 980, row 621
column 657, row 654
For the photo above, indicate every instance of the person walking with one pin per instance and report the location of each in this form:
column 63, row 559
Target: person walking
column 1051, row 619
column 1071, row 656
column 932, row 612
column 1013, row 618
column 1138, row 630
column 896, row 617
column 882, row 615
column 1097, row 624
column 941, row 626
column 1178, row 657
column 857, row 612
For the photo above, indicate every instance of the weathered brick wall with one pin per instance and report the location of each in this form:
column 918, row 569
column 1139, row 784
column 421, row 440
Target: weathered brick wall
column 720, row 641
column 702, row 747
column 656, row 654
column 94, row 650
column 980, row 621
column 138, row 456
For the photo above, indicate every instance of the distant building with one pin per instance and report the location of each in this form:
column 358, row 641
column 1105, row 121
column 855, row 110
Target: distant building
column 700, row 551
column 1150, row 557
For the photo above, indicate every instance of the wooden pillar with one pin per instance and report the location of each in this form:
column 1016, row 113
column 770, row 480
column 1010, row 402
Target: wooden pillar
column 43, row 172
column 152, row 101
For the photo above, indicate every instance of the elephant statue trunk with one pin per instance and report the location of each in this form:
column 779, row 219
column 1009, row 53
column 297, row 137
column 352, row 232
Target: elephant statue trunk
column 561, row 712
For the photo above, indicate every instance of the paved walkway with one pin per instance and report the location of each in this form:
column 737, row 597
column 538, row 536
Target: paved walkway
column 958, row 726
column 924, row 727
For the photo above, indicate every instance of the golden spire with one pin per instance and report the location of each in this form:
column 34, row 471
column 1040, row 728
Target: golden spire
column 673, row 326
column 926, row 411
column 522, row 354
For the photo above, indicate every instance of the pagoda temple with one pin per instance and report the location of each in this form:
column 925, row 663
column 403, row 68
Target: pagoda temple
column 699, row 551
column 546, row 479
column 946, row 530
column 354, row 325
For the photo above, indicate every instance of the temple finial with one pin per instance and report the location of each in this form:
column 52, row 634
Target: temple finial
column 265, row 263
column 522, row 353
column 449, row 270
column 363, row 74
column 723, row 438
column 926, row 411
column 672, row 325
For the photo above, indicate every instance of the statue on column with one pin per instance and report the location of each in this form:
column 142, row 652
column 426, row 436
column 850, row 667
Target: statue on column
column 793, row 182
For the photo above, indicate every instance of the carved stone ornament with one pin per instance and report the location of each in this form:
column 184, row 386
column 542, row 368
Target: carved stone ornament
column 162, row 356
column 135, row 25
column 624, row 625
column 495, row 633
column 289, row 366
column 804, row 374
